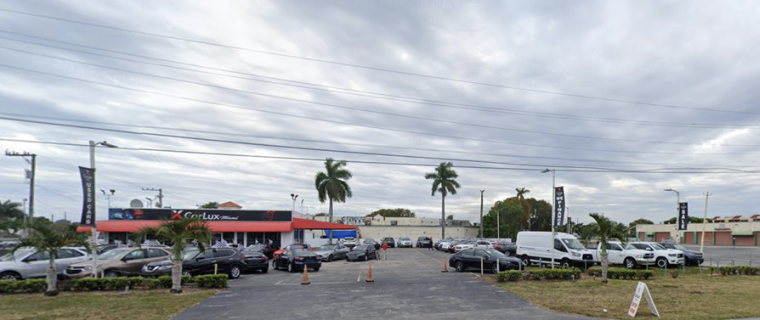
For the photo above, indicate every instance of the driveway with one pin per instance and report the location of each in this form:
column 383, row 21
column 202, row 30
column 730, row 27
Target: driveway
column 409, row 285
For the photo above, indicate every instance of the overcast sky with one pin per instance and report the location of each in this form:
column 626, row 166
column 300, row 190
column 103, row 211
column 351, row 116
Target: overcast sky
column 622, row 98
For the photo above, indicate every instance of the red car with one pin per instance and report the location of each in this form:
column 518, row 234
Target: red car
column 294, row 245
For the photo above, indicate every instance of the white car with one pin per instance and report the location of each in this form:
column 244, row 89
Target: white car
column 483, row 244
column 28, row 263
column 663, row 256
column 630, row 257
column 464, row 245
column 349, row 242
column 444, row 245
column 404, row 242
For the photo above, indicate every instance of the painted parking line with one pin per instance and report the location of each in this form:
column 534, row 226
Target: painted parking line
column 359, row 277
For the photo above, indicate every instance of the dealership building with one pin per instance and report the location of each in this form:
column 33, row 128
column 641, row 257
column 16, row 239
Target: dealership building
column 723, row 231
column 228, row 222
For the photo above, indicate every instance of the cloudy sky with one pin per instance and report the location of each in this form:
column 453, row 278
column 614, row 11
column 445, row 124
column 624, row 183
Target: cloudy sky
column 242, row 101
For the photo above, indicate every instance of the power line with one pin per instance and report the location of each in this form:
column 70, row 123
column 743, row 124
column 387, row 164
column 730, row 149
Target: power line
column 480, row 126
column 573, row 95
column 362, row 93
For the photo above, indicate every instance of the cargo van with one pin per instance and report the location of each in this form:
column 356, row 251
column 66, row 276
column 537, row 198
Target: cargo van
column 537, row 246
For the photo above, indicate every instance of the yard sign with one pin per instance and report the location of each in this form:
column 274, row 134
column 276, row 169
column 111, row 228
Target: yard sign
column 642, row 289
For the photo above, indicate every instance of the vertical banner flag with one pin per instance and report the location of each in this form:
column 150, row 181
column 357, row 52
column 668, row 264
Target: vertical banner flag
column 683, row 215
column 559, row 206
column 88, row 191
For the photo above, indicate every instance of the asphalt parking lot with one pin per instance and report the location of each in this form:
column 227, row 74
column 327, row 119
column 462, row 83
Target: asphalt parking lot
column 727, row 255
column 409, row 285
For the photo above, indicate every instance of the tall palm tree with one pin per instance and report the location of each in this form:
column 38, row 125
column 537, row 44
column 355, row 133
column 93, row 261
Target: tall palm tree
column 521, row 192
column 48, row 237
column 331, row 185
column 179, row 232
column 443, row 182
column 10, row 209
column 606, row 230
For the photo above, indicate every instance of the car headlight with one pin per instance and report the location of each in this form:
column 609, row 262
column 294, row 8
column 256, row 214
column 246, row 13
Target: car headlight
column 575, row 254
column 87, row 268
column 164, row 267
column 637, row 256
column 672, row 255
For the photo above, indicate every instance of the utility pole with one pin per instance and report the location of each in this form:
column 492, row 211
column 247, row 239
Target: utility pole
column 481, row 214
column 569, row 226
column 160, row 196
column 30, row 176
column 704, row 221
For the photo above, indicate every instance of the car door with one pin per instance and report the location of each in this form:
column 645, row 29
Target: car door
column 35, row 265
column 134, row 261
column 479, row 255
column 614, row 253
column 66, row 257
column 203, row 263
column 341, row 251
column 224, row 259
column 153, row 255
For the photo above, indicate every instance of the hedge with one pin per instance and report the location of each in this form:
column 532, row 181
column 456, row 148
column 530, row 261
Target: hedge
column 621, row 273
column 742, row 270
column 548, row 274
column 511, row 275
column 111, row 284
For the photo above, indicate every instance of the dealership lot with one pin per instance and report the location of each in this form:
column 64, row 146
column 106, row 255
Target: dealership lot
column 725, row 256
column 409, row 285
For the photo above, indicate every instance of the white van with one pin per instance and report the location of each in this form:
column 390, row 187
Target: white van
column 535, row 246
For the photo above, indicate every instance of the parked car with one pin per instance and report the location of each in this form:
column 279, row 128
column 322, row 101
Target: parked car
column 294, row 258
column 692, row 257
column 453, row 244
column 118, row 262
column 663, row 256
column 303, row 246
column 349, row 242
column 330, row 252
column 566, row 249
column 363, row 253
column 424, row 242
column 483, row 244
column 629, row 256
column 369, row 242
column 194, row 262
column 443, row 244
column 391, row 243
column 27, row 263
column 508, row 248
column 255, row 258
column 405, row 242
column 470, row 258
column 462, row 245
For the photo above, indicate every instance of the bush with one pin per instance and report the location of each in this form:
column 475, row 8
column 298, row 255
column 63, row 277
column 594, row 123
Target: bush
column 165, row 281
column 511, row 275
column 88, row 284
column 744, row 270
column 23, row 286
column 554, row 274
column 621, row 273
column 212, row 281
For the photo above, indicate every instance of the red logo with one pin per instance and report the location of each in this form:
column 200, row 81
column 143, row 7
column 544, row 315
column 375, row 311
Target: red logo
column 269, row 215
column 176, row 215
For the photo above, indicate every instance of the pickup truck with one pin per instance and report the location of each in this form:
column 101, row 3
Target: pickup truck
column 629, row 256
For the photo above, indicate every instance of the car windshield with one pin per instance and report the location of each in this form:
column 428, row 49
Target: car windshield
column 679, row 247
column 360, row 248
column 326, row 248
column 573, row 243
column 189, row 255
column 15, row 256
column 495, row 254
column 112, row 255
column 403, row 238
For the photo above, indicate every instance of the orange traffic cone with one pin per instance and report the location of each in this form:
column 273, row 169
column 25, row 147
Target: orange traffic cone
column 369, row 274
column 305, row 275
column 444, row 266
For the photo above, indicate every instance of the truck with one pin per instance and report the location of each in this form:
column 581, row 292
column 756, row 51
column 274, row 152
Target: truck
column 564, row 249
column 629, row 256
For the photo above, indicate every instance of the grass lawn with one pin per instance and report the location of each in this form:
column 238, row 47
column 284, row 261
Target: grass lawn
column 692, row 296
column 143, row 305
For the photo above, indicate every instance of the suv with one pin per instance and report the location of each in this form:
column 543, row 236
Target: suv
column 349, row 242
column 195, row 262
column 692, row 257
column 424, row 242
column 391, row 243
column 405, row 242
column 29, row 263
column 663, row 256
column 118, row 262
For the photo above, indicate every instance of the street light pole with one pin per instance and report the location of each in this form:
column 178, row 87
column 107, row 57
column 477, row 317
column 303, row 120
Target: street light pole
column 94, row 249
column 704, row 221
column 678, row 210
column 554, row 211
column 302, row 205
column 481, row 214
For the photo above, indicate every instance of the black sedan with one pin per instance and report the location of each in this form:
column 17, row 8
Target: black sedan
column 255, row 259
column 362, row 252
column 294, row 259
column 195, row 262
column 470, row 258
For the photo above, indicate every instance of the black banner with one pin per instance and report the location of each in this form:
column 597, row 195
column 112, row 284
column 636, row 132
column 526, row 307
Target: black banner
column 683, row 215
column 205, row 214
column 88, row 193
column 559, row 206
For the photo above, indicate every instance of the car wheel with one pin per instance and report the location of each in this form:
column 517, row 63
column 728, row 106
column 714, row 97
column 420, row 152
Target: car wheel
column 630, row 263
column 265, row 269
column 10, row 276
column 662, row 262
column 525, row 261
column 111, row 274
column 316, row 269
column 459, row 266
column 565, row 264
column 235, row 272
column 365, row 257
column 291, row 267
column 494, row 268
column 329, row 258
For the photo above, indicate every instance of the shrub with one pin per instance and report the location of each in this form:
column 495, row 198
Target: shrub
column 165, row 281
column 23, row 286
column 745, row 270
column 88, row 284
column 511, row 275
column 212, row 281
column 552, row 274
column 621, row 273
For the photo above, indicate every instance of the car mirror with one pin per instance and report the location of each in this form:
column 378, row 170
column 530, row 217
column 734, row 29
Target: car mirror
column 199, row 258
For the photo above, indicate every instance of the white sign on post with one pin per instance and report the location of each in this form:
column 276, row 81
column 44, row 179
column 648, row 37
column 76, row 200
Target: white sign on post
column 642, row 289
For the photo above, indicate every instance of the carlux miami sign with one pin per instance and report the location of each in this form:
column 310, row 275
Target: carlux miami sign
column 205, row 214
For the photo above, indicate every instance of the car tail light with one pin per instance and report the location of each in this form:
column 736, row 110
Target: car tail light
column 319, row 257
column 264, row 259
column 299, row 258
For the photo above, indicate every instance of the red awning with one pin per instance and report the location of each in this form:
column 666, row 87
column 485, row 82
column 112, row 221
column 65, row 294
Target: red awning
column 314, row 225
column 216, row 226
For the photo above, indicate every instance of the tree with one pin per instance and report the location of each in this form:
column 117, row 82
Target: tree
column 674, row 220
column 49, row 238
column 331, row 185
column 210, row 205
column 606, row 230
column 443, row 182
column 540, row 218
column 179, row 232
column 450, row 217
column 398, row 212
column 11, row 210
column 585, row 232
column 321, row 214
column 504, row 215
column 521, row 192
column 639, row 221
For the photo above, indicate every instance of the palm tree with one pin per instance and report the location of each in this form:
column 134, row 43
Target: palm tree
column 179, row 232
column 606, row 230
column 443, row 182
column 521, row 192
column 10, row 209
column 48, row 237
column 331, row 185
